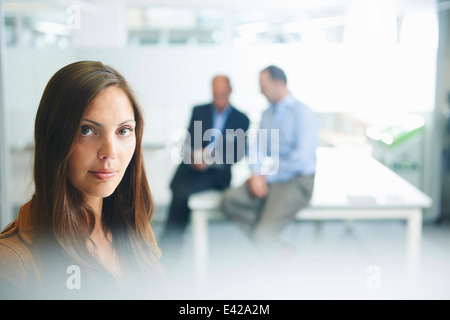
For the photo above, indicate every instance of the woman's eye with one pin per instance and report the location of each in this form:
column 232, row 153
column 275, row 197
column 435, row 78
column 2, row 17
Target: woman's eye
column 86, row 131
column 125, row 131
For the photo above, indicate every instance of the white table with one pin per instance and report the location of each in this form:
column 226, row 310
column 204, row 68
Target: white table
column 349, row 185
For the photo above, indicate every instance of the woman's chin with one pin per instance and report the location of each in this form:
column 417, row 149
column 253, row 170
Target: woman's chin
column 104, row 193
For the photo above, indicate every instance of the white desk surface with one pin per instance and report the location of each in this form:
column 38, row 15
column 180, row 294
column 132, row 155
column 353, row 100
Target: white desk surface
column 351, row 178
column 345, row 178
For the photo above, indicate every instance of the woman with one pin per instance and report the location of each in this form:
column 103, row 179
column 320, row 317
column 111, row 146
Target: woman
column 86, row 231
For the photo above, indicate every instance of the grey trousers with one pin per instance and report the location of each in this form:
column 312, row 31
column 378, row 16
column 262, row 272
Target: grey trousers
column 264, row 219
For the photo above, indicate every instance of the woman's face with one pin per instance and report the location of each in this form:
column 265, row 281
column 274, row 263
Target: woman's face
column 104, row 145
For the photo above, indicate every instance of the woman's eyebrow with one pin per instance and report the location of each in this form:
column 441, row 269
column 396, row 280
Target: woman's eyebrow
column 93, row 122
column 125, row 122
column 100, row 125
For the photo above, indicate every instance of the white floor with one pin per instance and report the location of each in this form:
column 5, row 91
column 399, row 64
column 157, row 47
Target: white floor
column 365, row 261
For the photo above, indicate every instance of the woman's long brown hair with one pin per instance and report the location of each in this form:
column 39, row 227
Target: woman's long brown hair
column 58, row 210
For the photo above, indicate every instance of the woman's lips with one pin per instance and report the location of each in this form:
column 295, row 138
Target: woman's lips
column 103, row 175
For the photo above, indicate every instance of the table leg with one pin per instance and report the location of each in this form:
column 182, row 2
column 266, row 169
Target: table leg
column 414, row 238
column 200, row 243
column 318, row 235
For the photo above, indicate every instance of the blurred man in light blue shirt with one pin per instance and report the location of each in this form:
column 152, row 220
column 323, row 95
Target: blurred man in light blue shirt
column 295, row 153
column 282, row 178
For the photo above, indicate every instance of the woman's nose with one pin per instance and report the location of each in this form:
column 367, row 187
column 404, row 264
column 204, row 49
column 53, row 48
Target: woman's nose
column 108, row 149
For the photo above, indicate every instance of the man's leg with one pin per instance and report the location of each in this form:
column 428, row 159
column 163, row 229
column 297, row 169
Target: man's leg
column 185, row 183
column 242, row 207
column 177, row 220
column 282, row 204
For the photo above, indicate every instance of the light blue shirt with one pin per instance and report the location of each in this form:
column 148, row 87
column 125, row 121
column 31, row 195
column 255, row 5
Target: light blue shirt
column 218, row 122
column 220, row 118
column 295, row 152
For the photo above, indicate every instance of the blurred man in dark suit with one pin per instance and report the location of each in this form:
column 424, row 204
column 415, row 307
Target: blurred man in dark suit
column 209, row 153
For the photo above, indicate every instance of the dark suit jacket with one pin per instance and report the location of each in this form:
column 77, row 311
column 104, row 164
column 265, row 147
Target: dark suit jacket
column 232, row 152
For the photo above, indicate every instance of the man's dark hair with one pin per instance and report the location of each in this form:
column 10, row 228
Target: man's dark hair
column 276, row 73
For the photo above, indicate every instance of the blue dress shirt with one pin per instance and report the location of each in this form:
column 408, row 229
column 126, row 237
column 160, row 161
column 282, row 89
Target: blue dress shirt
column 219, row 118
column 295, row 151
column 218, row 122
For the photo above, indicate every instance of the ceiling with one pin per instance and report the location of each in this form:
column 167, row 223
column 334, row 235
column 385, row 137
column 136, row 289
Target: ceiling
column 143, row 15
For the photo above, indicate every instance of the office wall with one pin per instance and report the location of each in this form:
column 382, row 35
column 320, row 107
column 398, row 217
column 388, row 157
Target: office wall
column 27, row 72
column 5, row 203
column 170, row 80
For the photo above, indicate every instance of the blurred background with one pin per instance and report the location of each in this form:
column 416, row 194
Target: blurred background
column 377, row 72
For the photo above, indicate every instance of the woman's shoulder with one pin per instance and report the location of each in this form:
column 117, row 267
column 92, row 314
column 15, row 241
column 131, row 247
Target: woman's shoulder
column 9, row 239
column 14, row 258
column 9, row 231
column 17, row 262
column 15, row 242
column 14, row 250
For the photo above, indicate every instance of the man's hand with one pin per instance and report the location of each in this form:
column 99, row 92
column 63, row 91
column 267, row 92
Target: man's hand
column 200, row 166
column 197, row 160
column 257, row 186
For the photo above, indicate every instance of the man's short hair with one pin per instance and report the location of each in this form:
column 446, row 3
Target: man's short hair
column 276, row 73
